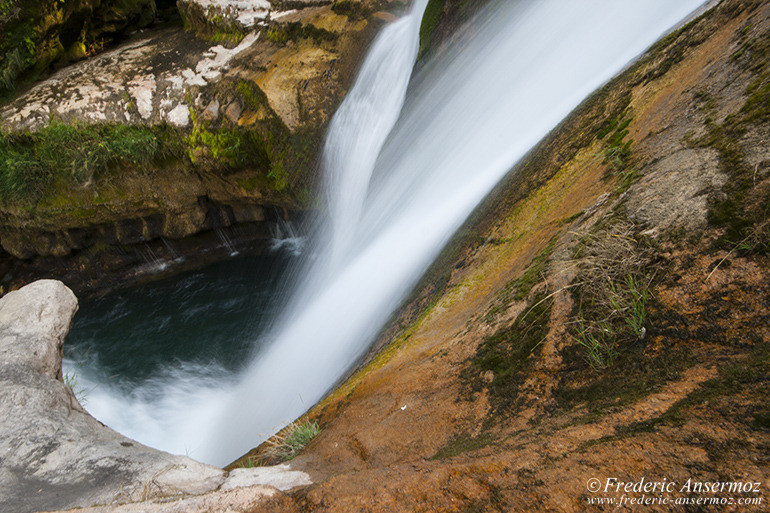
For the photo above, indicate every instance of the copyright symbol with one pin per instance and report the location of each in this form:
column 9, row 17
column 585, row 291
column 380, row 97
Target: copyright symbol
column 593, row 485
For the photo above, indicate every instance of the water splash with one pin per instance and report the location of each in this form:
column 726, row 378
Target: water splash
column 286, row 237
column 226, row 242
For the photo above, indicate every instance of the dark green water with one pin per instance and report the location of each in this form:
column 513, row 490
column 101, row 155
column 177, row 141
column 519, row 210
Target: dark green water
column 212, row 316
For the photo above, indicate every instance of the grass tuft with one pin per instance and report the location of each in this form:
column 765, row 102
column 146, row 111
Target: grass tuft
column 287, row 443
column 71, row 380
column 612, row 293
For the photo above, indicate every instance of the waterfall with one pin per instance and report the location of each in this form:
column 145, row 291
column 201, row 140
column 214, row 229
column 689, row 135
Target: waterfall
column 361, row 125
column 471, row 115
column 406, row 161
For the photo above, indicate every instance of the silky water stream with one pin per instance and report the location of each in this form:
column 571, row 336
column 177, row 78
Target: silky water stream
column 407, row 159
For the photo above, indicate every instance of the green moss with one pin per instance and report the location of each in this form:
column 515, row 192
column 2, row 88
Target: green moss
column 228, row 38
column 18, row 46
column 633, row 375
column 748, row 373
column 281, row 159
column 430, row 20
column 507, row 354
column 251, row 183
column 295, row 31
column 36, row 34
column 617, row 150
column 743, row 209
column 521, row 286
column 252, row 94
column 462, row 443
column 212, row 23
column 355, row 11
column 671, row 49
column 225, row 148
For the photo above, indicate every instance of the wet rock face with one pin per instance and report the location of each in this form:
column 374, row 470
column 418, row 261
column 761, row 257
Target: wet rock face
column 674, row 191
column 171, row 76
column 246, row 118
column 221, row 19
column 209, row 16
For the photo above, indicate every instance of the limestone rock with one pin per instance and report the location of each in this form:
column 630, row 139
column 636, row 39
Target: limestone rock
column 674, row 190
column 33, row 323
column 281, row 477
column 34, row 31
column 210, row 16
column 127, row 85
column 211, row 113
column 240, row 500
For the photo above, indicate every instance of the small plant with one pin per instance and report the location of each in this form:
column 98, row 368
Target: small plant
column 355, row 11
column 286, row 444
column 612, row 293
column 32, row 162
column 635, row 313
column 253, row 461
column 71, row 380
column 295, row 31
column 599, row 351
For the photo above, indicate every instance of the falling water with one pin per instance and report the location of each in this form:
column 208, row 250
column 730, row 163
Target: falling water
column 403, row 171
column 226, row 241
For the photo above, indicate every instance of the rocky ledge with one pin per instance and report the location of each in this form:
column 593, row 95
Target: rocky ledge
column 172, row 134
column 54, row 455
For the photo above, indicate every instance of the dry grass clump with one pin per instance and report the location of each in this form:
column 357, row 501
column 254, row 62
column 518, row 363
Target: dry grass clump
column 612, row 292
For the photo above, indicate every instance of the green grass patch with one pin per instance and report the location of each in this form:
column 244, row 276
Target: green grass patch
column 31, row 162
column 291, row 440
column 71, row 380
column 615, row 316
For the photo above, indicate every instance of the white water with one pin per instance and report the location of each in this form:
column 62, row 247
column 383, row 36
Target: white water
column 394, row 199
